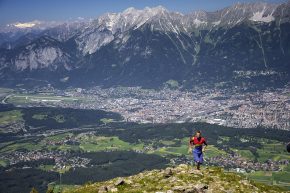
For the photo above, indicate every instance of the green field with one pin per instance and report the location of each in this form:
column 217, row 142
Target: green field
column 244, row 153
column 170, row 149
column 3, row 163
column 58, row 188
column 7, row 117
column 5, row 90
column 274, row 150
column 87, row 143
column 271, row 149
column 58, row 118
column 281, row 178
column 101, row 143
column 10, row 147
column 46, row 167
column 23, row 145
column 105, row 120
column 32, row 98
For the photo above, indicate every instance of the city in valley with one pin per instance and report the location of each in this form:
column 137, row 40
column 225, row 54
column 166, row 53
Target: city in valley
column 268, row 109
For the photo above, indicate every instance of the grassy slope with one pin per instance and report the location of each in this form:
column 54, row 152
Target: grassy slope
column 183, row 176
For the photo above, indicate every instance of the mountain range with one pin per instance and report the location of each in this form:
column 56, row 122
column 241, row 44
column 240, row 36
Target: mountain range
column 246, row 45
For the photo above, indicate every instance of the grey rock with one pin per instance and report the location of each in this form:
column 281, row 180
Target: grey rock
column 120, row 181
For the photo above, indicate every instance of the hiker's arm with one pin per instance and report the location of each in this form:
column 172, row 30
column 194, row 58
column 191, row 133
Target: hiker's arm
column 189, row 146
column 189, row 143
column 205, row 145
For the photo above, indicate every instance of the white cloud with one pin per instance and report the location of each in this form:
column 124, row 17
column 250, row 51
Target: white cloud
column 26, row 24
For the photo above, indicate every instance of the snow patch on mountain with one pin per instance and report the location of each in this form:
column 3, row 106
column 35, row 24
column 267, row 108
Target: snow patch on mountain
column 198, row 22
column 102, row 30
column 259, row 16
column 91, row 35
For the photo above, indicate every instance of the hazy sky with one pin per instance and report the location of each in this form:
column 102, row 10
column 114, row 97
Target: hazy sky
column 29, row 10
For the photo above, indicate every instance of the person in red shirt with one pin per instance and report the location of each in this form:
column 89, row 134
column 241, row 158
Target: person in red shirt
column 197, row 141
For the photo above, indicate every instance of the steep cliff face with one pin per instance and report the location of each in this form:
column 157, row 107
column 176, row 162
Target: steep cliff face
column 245, row 44
column 182, row 178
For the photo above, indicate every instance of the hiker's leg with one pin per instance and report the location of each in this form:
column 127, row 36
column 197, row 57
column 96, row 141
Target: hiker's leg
column 195, row 155
column 198, row 166
column 200, row 160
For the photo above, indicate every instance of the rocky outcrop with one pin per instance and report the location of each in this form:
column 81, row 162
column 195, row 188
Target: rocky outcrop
column 182, row 178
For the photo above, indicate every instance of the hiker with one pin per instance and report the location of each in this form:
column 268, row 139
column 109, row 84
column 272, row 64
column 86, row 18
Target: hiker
column 197, row 141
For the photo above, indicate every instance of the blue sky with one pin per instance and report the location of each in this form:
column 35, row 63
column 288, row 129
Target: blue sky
column 58, row 10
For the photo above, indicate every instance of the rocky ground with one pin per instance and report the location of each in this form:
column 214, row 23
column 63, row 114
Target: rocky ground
column 182, row 178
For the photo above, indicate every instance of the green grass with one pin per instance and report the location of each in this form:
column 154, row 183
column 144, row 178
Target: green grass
column 69, row 147
column 246, row 154
column 137, row 146
column 46, row 167
column 182, row 149
column 3, row 163
column 223, row 139
column 58, row 137
column 16, row 146
column 7, row 117
column 279, row 178
column 212, row 151
column 87, row 143
column 170, row 150
column 101, row 143
column 167, row 142
column 4, row 90
column 105, row 120
column 263, row 156
column 39, row 116
column 32, row 98
column 287, row 168
column 154, row 181
column 58, row 188
column 59, row 118
column 63, row 170
column 47, row 98
column 5, row 144
column 282, row 176
column 271, row 149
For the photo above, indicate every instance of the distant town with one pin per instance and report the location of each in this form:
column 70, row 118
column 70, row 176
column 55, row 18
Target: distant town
column 64, row 159
column 269, row 109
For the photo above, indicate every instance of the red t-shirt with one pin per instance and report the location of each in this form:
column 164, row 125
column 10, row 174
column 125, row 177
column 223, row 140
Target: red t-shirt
column 197, row 141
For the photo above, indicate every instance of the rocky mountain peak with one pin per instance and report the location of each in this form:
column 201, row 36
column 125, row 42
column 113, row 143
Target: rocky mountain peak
column 144, row 42
column 181, row 178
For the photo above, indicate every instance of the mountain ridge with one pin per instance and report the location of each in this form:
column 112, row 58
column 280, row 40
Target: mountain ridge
column 129, row 47
column 180, row 178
